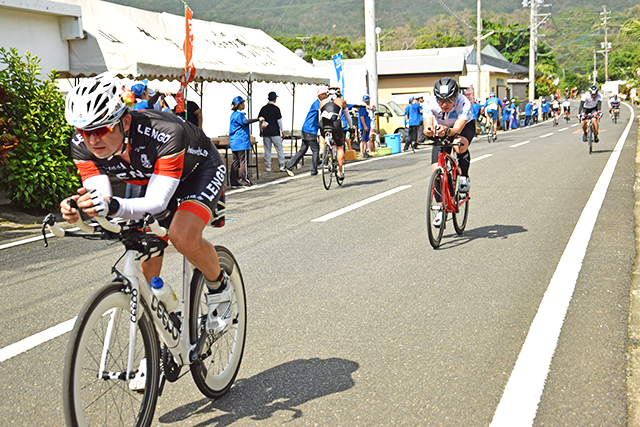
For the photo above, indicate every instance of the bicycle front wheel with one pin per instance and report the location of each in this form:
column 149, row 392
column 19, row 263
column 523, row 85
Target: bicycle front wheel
column 101, row 336
column 436, row 204
column 590, row 137
column 462, row 212
column 327, row 166
column 215, row 374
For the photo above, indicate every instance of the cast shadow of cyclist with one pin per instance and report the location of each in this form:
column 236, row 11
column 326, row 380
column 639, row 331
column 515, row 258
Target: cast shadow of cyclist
column 495, row 231
column 281, row 388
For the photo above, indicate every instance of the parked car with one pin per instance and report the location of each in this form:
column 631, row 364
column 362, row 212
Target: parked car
column 390, row 119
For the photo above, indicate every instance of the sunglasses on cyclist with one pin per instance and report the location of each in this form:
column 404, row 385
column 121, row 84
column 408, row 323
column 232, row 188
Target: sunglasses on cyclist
column 446, row 101
column 98, row 133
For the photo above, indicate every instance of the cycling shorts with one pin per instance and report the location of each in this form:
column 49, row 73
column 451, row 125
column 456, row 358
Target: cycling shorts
column 492, row 113
column 586, row 111
column 468, row 132
column 338, row 136
column 202, row 191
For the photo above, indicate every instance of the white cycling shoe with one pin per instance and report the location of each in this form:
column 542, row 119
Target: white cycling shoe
column 437, row 221
column 219, row 305
column 464, row 184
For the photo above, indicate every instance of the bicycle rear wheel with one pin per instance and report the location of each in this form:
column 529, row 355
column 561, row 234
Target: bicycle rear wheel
column 215, row 374
column 462, row 212
column 615, row 118
column 327, row 166
column 109, row 399
column 436, row 187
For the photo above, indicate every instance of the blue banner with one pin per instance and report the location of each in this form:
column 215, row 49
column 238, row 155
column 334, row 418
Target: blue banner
column 337, row 62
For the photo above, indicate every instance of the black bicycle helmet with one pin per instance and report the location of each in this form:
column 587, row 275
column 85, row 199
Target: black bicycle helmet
column 593, row 89
column 446, row 88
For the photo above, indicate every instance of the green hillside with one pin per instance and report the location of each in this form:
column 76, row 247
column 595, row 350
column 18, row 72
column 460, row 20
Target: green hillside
column 312, row 17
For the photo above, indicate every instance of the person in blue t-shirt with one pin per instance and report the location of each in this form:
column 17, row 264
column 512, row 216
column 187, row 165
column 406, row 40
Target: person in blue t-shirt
column 528, row 110
column 545, row 109
column 240, row 143
column 146, row 101
column 310, row 136
column 535, row 113
column 506, row 113
column 406, row 118
column 364, row 123
column 415, row 114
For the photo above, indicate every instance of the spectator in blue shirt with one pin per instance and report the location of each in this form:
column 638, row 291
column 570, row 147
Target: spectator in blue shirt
column 364, row 123
column 310, row 136
column 528, row 110
column 506, row 113
column 240, row 143
column 534, row 115
column 545, row 109
column 415, row 113
column 406, row 118
column 145, row 100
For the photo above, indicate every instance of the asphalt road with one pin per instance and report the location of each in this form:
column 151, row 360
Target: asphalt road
column 357, row 321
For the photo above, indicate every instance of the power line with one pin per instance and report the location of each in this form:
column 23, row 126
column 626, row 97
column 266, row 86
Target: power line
column 455, row 16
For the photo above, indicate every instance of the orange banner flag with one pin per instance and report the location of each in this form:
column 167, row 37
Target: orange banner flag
column 190, row 70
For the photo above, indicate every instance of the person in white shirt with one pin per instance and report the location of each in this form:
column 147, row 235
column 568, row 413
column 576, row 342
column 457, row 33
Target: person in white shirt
column 590, row 103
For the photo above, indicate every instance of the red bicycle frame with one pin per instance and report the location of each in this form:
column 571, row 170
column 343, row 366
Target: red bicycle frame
column 449, row 165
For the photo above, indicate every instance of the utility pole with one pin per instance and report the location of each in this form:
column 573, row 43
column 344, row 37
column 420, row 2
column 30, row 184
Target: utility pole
column 595, row 70
column 478, row 49
column 533, row 39
column 606, row 46
column 370, row 50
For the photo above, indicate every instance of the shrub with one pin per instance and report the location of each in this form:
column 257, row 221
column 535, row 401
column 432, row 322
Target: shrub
column 36, row 170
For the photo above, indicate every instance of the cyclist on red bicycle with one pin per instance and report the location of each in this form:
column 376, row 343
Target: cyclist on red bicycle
column 590, row 103
column 447, row 113
column 173, row 163
column 330, row 109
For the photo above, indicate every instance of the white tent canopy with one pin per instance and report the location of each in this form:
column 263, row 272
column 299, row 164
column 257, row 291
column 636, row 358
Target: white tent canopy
column 134, row 43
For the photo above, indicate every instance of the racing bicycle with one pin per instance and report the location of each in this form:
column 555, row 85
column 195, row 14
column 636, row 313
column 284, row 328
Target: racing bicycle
column 567, row 115
column 492, row 136
column 443, row 195
column 125, row 345
column 616, row 114
column 330, row 160
column 588, row 118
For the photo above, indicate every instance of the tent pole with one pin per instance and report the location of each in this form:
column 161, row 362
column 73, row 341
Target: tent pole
column 293, row 108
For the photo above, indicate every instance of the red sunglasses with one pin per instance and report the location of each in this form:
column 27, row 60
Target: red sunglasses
column 98, row 133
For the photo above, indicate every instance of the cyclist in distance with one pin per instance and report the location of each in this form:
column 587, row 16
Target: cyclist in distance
column 566, row 108
column 590, row 102
column 491, row 107
column 330, row 112
column 174, row 159
column 555, row 108
column 614, row 104
column 447, row 113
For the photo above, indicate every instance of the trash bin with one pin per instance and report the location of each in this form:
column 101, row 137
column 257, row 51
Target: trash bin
column 393, row 141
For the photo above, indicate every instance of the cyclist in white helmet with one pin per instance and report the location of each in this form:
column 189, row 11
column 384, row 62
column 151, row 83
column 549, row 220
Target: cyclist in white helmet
column 447, row 113
column 591, row 103
column 172, row 160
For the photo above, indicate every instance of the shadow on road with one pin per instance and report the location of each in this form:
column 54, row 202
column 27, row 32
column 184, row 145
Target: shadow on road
column 362, row 182
column 487, row 232
column 282, row 388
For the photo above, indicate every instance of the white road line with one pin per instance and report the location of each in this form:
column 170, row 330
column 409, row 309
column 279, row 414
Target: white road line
column 560, row 130
column 364, row 202
column 485, row 156
column 546, row 135
column 575, row 124
column 521, row 397
column 517, row 145
column 31, row 239
column 35, row 340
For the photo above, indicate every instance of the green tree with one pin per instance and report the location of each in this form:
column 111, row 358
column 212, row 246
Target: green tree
column 427, row 40
column 37, row 171
column 323, row 47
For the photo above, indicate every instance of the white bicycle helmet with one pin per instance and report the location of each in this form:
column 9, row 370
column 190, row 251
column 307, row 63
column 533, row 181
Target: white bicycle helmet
column 95, row 102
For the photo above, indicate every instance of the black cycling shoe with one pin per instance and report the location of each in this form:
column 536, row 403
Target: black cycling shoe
column 595, row 138
column 584, row 137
